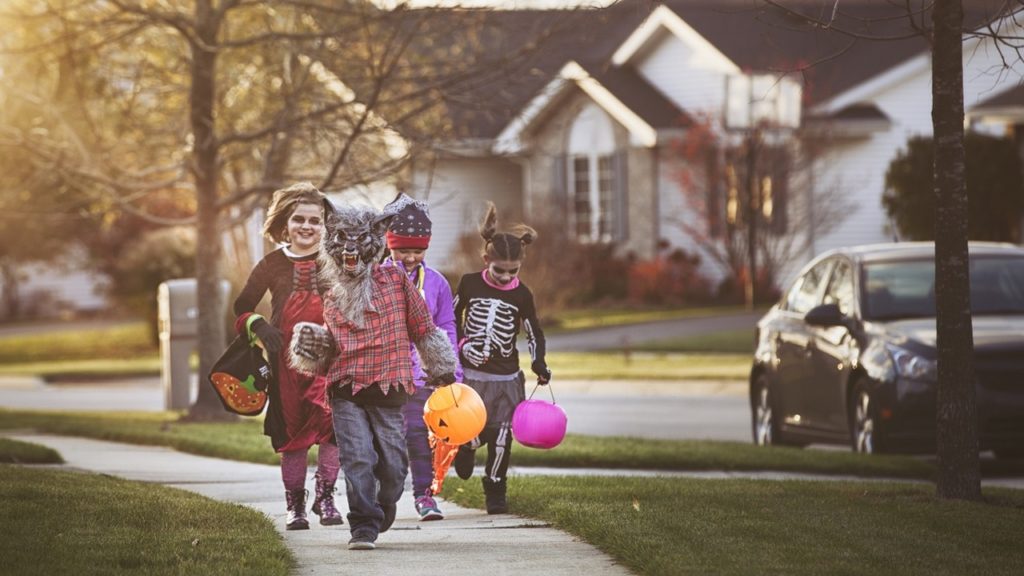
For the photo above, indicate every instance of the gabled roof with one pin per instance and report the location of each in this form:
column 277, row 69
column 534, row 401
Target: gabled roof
column 622, row 93
column 749, row 34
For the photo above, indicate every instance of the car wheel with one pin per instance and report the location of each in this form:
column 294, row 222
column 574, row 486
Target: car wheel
column 864, row 436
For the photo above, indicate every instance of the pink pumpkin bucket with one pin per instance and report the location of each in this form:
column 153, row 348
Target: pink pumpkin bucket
column 539, row 423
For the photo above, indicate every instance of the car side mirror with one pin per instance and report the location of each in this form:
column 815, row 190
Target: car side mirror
column 827, row 315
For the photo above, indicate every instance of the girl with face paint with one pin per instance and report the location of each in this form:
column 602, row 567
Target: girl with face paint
column 491, row 307
column 297, row 416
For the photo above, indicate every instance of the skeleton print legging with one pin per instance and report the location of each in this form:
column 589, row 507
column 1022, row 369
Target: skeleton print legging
column 500, row 398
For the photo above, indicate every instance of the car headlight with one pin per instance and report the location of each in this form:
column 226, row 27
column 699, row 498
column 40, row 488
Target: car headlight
column 911, row 366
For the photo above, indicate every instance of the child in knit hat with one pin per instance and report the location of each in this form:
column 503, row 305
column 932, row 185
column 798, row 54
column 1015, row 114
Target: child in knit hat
column 408, row 238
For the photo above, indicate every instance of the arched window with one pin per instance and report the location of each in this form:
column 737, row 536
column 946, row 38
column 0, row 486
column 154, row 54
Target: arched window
column 592, row 178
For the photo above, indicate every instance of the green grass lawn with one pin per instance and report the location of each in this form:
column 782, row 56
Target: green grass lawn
column 130, row 341
column 583, row 318
column 125, row 351
column 672, row 526
column 244, row 440
column 55, row 522
column 16, row 452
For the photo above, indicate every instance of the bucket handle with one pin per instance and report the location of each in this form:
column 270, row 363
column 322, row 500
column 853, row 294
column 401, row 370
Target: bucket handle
column 550, row 391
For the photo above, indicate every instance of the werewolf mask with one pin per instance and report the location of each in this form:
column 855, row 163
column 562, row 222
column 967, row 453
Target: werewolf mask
column 353, row 239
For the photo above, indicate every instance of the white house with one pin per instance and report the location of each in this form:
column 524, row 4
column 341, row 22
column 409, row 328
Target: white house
column 591, row 135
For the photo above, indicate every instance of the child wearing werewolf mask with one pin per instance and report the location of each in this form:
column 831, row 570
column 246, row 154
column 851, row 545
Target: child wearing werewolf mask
column 372, row 314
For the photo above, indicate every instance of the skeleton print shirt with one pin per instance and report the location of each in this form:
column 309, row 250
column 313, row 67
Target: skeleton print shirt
column 488, row 319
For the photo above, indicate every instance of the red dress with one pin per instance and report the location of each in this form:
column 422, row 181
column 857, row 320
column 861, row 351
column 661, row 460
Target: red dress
column 298, row 414
column 303, row 399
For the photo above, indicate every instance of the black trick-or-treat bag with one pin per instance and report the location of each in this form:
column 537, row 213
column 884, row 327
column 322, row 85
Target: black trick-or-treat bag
column 240, row 377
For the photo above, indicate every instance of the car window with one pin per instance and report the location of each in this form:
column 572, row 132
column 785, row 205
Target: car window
column 840, row 287
column 804, row 294
column 906, row 289
column 997, row 286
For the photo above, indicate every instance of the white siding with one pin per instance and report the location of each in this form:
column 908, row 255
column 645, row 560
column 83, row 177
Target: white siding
column 52, row 290
column 684, row 75
column 858, row 167
column 674, row 208
column 457, row 193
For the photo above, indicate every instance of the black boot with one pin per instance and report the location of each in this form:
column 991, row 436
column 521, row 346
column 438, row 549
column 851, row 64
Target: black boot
column 465, row 459
column 323, row 504
column 296, row 500
column 494, row 492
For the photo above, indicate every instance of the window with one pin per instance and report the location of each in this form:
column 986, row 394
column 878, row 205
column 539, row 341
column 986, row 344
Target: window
column 840, row 288
column 804, row 294
column 592, row 179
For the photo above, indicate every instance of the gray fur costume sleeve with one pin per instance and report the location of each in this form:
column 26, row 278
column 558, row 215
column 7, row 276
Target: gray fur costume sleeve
column 437, row 356
column 312, row 349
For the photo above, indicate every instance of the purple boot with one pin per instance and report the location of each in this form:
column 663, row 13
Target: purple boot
column 323, row 505
column 296, row 500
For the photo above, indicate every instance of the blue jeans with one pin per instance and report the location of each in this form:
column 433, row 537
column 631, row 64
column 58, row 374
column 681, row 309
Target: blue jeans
column 372, row 451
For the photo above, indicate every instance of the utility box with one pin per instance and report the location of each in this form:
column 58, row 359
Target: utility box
column 178, row 314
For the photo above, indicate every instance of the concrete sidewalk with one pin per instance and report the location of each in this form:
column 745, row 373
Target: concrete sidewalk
column 467, row 542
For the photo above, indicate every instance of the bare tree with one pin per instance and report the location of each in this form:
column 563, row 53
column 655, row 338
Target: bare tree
column 220, row 102
column 767, row 179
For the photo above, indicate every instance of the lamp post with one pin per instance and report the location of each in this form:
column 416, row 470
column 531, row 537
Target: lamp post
column 756, row 104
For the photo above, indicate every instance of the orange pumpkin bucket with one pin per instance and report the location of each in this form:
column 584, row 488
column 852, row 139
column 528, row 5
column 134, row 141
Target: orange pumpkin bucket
column 455, row 413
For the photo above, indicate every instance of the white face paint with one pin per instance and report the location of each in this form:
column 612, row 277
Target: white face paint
column 501, row 272
column 305, row 226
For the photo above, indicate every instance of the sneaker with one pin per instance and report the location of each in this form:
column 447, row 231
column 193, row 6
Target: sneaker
column 389, row 517
column 360, row 544
column 465, row 460
column 427, row 508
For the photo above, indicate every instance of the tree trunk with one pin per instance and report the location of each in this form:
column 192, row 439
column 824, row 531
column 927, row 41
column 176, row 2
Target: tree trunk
column 205, row 175
column 956, row 420
column 9, row 289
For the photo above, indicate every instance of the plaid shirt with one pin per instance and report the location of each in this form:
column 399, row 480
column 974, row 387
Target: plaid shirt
column 378, row 353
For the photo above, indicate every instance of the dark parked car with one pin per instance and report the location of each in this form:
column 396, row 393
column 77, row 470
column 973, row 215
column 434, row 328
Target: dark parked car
column 848, row 355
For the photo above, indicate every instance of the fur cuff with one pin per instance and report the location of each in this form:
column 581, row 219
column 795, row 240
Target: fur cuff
column 311, row 349
column 436, row 353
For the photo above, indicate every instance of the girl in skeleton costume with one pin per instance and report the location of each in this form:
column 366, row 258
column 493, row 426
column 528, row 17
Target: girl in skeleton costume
column 490, row 307
column 298, row 415
column 372, row 314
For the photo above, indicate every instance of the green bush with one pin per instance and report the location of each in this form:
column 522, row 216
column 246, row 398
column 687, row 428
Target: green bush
column 160, row 255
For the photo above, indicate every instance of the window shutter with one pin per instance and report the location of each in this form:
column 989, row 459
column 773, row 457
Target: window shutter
column 620, row 169
column 715, row 194
column 560, row 185
column 780, row 190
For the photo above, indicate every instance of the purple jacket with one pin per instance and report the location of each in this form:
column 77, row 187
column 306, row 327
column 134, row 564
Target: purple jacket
column 438, row 295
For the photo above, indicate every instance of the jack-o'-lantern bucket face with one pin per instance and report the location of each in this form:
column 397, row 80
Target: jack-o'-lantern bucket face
column 455, row 413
